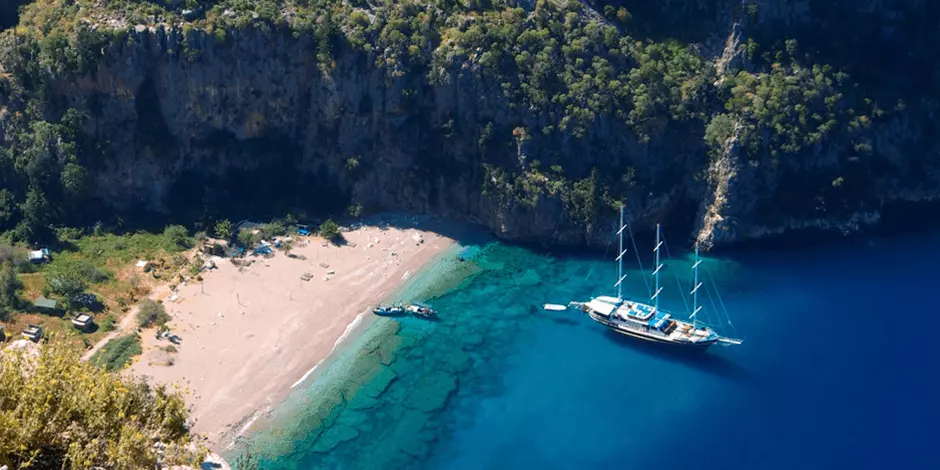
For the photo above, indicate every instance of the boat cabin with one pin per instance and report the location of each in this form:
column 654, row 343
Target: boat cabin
column 82, row 321
column 33, row 332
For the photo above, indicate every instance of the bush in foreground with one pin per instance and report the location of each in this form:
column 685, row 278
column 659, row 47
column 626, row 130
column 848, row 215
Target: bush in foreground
column 58, row 412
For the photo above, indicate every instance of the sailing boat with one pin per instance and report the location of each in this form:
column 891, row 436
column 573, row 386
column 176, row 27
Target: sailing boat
column 647, row 321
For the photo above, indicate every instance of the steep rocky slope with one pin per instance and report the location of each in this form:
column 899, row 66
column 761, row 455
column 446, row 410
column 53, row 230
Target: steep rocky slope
column 730, row 120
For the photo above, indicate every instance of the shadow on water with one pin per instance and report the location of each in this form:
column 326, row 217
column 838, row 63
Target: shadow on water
column 709, row 362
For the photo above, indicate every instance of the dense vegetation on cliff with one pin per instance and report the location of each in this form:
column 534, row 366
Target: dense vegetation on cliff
column 557, row 107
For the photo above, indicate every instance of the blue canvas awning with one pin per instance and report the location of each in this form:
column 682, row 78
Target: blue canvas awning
column 659, row 319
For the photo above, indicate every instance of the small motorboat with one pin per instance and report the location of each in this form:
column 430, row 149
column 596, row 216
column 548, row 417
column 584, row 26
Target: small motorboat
column 388, row 310
column 421, row 310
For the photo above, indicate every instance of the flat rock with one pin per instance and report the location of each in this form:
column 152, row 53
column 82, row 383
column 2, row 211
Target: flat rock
column 471, row 340
column 455, row 360
column 335, row 436
column 431, row 392
column 379, row 382
column 362, row 402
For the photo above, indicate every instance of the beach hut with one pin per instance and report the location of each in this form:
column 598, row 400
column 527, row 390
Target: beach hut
column 82, row 321
column 303, row 230
column 33, row 332
column 39, row 256
column 45, row 305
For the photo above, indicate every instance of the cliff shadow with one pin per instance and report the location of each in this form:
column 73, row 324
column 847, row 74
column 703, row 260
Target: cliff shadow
column 680, row 20
column 255, row 179
column 465, row 233
column 9, row 13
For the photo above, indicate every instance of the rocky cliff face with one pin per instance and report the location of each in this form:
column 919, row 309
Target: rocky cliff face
column 187, row 115
column 897, row 161
column 255, row 113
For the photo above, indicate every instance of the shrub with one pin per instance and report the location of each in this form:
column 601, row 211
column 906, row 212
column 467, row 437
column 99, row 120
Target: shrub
column 273, row 229
column 117, row 353
column 330, row 230
column 354, row 210
column 177, row 238
column 247, row 239
column 67, row 283
column 151, row 313
column 108, row 324
column 70, row 414
column 223, row 229
column 10, row 286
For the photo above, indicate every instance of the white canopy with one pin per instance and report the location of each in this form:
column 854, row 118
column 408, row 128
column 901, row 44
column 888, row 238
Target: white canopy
column 601, row 307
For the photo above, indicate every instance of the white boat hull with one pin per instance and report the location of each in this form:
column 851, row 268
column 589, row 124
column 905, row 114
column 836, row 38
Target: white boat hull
column 650, row 337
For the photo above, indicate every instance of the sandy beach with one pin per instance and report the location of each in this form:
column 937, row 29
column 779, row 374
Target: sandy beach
column 248, row 335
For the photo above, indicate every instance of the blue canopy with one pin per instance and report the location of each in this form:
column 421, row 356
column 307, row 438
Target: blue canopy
column 659, row 319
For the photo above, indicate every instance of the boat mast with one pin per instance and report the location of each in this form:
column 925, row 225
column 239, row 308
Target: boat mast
column 620, row 274
column 695, row 306
column 659, row 266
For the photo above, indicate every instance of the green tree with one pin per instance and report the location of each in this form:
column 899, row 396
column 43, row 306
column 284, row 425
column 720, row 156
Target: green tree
column 73, row 179
column 177, row 237
column 330, row 230
column 10, row 286
column 36, row 213
column 59, row 412
column 150, row 313
column 7, row 207
column 67, row 282
column 273, row 229
column 224, row 229
column 247, row 239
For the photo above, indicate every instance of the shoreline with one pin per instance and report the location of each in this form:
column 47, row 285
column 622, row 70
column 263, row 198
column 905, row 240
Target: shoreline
column 364, row 329
column 246, row 345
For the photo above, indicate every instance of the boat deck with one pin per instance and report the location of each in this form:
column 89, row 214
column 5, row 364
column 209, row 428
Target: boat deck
column 647, row 320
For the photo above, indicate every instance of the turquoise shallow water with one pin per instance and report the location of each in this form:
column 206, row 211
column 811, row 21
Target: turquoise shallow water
column 837, row 371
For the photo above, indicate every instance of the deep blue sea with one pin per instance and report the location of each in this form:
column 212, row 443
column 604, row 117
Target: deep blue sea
column 838, row 370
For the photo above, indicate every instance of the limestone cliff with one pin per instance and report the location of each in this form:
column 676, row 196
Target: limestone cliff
column 187, row 116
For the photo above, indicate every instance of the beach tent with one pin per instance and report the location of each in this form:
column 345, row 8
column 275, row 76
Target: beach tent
column 39, row 256
column 264, row 250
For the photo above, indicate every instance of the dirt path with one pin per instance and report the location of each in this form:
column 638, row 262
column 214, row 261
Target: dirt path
column 128, row 323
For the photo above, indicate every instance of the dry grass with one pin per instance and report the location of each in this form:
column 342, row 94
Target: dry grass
column 126, row 286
